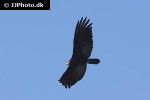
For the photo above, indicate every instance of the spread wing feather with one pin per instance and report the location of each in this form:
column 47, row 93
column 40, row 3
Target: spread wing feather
column 73, row 74
column 83, row 42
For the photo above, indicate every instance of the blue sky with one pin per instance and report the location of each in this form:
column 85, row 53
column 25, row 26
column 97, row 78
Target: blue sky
column 35, row 45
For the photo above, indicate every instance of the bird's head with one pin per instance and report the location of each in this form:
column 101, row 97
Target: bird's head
column 68, row 63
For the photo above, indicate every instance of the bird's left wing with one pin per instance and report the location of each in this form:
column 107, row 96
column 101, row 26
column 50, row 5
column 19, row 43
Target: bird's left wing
column 72, row 75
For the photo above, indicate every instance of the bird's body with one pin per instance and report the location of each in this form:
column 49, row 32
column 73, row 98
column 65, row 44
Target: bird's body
column 83, row 44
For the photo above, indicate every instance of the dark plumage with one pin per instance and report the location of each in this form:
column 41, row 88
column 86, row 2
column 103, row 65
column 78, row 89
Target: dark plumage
column 83, row 44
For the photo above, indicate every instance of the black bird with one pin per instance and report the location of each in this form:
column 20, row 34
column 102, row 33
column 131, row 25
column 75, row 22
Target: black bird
column 83, row 44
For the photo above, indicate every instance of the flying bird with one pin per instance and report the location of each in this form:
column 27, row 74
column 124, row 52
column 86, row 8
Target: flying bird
column 82, row 48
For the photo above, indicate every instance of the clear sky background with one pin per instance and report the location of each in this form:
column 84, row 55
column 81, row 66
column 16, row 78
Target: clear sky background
column 35, row 46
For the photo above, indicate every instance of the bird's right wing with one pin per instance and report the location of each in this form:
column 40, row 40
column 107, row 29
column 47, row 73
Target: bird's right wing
column 83, row 42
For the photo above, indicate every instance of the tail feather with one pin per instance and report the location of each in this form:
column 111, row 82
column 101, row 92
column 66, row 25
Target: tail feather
column 93, row 61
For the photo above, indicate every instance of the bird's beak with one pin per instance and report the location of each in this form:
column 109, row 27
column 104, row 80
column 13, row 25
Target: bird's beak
column 68, row 63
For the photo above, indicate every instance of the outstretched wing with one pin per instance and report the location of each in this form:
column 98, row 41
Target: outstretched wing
column 83, row 42
column 73, row 74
